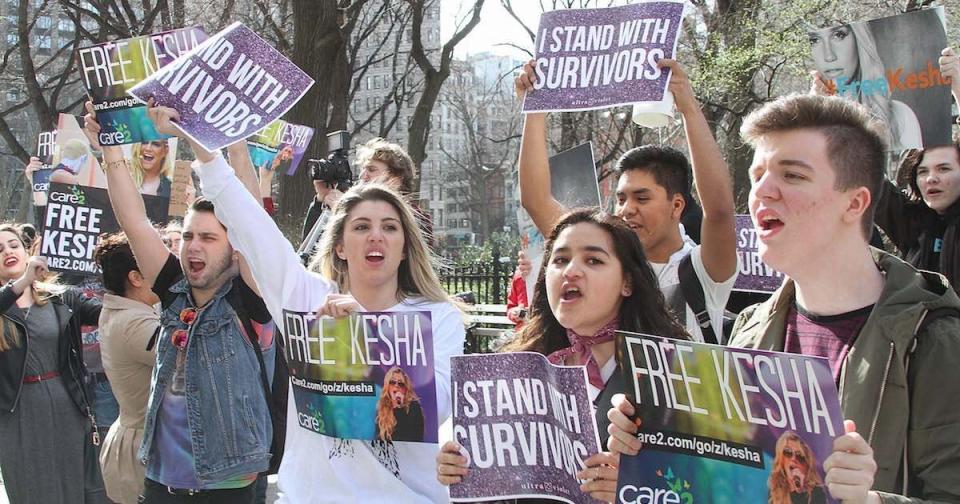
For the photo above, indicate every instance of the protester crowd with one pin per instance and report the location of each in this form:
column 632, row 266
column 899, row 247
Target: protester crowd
column 193, row 352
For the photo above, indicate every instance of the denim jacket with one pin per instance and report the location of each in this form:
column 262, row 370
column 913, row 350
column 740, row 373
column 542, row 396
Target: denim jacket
column 230, row 427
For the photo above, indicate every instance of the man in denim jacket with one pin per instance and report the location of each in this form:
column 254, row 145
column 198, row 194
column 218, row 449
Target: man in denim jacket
column 207, row 432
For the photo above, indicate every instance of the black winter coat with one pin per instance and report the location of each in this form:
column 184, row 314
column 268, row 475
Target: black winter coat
column 72, row 311
column 909, row 224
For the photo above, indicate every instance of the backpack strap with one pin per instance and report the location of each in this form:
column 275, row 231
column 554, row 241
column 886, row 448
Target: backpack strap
column 695, row 298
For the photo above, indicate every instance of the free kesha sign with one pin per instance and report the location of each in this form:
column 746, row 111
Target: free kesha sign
column 75, row 218
column 726, row 425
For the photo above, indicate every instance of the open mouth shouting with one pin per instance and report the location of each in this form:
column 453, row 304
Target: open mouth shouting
column 195, row 267
column 374, row 257
column 768, row 223
column 570, row 294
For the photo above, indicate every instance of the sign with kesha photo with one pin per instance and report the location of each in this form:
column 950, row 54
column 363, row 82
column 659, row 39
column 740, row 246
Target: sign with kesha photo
column 755, row 275
column 890, row 65
column 598, row 58
column 227, row 88
column 527, row 425
column 726, row 425
column 367, row 376
column 110, row 69
column 75, row 218
column 281, row 144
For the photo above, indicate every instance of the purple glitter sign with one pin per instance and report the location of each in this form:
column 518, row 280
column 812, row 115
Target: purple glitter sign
column 528, row 426
column 598, row 58
column 755, row 276
column 227, row 88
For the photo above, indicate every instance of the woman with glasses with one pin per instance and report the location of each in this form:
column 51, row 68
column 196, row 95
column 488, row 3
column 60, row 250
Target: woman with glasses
column 399, row 416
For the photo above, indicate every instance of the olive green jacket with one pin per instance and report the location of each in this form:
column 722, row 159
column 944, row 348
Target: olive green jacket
column 901, row 388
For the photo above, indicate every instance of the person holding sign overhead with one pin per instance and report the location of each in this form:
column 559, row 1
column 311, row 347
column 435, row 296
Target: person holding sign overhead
column 924, row 221
column 651, row 184
column 373, row 253
column 888, row 331
column 207, row 430
column 849, row 64
column 47, row 430
column 594, row 280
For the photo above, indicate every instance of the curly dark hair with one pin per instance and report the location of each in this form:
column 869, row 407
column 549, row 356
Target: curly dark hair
column 116, row 261
column 644, row 310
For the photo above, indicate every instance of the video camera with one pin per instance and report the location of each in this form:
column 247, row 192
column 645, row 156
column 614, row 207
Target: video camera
column 335, row 170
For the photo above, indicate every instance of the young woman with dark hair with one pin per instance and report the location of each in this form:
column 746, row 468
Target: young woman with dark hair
column 594, row 280
column 47, row 453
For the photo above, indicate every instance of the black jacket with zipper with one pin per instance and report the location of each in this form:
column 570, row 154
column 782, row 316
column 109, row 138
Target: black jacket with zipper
column 72, row 310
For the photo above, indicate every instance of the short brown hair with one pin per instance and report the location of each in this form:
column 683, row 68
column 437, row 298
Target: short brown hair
column 202, row 204
column 398, row 162
column 855, row 145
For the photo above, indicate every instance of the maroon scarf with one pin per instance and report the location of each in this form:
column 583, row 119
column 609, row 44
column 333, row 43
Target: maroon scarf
column 581, row 344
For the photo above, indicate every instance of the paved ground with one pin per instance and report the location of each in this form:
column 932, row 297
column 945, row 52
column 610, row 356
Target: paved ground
column 271, row 491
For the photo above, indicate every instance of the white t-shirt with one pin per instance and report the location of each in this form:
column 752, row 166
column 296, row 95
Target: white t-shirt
column 716, row 294
column 316, row 468
column 321, row 469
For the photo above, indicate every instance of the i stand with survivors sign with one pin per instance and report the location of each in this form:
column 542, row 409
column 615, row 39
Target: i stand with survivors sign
column 527, row 424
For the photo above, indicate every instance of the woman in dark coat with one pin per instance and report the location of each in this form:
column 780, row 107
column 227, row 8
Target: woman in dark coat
column 47, row 444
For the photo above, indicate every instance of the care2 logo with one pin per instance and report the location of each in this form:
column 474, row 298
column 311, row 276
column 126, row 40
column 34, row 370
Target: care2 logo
column 75, row 197
column 677, row 491
column 120, row 135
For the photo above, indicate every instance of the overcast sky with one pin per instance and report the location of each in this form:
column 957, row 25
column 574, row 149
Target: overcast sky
column 496, row 26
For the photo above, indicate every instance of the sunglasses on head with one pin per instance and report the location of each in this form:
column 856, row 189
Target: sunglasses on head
column 795, row 455
column 398, row 383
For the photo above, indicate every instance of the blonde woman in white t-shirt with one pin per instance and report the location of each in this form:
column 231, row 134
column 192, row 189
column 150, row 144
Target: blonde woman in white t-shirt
column 372, row 253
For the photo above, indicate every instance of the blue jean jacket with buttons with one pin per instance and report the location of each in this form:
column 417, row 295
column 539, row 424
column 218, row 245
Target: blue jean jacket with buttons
column 229, row 420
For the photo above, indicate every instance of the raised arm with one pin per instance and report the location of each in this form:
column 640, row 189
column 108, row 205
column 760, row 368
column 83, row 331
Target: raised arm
column 275, row 265
column 145, row 241
column 711, row 177
column 239, row 157
column 534, row 165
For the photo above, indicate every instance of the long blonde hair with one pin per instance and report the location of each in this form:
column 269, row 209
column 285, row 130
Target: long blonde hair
column 416, row 277
column 386, row 419
column 779, row 484
column 41, row 291
column 136, row 168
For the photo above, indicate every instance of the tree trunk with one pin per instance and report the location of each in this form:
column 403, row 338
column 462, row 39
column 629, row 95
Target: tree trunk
column 419, row 133
column 317, row 41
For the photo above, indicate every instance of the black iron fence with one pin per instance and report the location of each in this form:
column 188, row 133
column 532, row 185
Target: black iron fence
column 489, row 282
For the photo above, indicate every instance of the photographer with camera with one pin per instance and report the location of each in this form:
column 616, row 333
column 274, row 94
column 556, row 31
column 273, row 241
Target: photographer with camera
column 378, row 161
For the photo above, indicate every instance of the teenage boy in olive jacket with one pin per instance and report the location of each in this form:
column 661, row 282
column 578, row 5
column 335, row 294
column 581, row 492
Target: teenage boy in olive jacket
column 890, row 332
